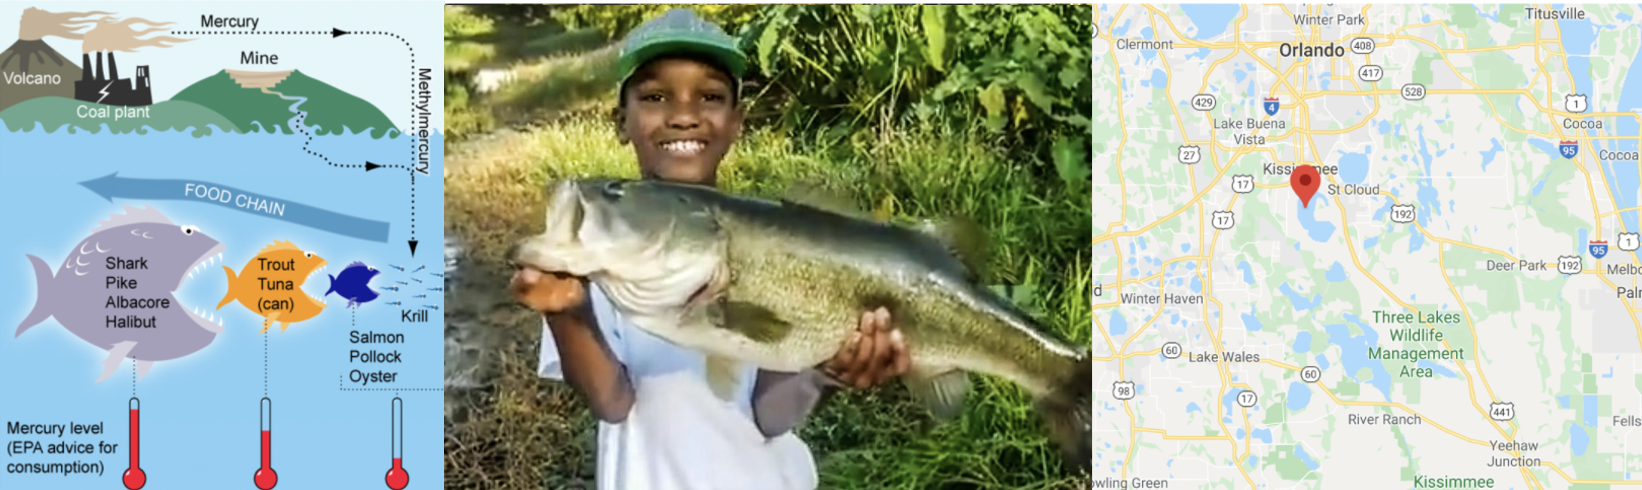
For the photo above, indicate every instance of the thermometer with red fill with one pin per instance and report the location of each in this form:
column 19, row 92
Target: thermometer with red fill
column 265, row 476
column 134, row 476
column 397, row 476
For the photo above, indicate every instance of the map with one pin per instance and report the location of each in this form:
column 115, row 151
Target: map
column 1387, row 246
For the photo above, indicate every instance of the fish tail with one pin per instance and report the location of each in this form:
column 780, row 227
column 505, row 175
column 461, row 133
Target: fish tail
column 333, row 284
column 42, row 280
column 228, row 298
column 1066, row 409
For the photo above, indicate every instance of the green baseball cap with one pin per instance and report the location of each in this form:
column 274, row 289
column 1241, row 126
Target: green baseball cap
column 679, row 31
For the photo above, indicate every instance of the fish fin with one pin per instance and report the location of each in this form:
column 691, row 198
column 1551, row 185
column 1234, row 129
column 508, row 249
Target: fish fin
column 277, row 246
column 755, row 322
column 269, row 322
column 356, row 264
column 1066, row 409
column 142, row 368
column 943, row 392
column 333, row 285
column 964, row 239
column 722, row 374
column 133, row 215
column 815, row 196
column 232, row 281
column 42, row 281
column 116, row 354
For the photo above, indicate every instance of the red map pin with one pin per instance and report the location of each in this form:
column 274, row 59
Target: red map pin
column 1305, row 180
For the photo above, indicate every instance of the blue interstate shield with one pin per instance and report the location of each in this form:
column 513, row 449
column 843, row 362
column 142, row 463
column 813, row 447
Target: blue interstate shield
column 1599, row 249
column 1271, row 107
column 1569, row 149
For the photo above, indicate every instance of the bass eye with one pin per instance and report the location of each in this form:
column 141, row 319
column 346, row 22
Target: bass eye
column 189, row 230
column 308, row 255
column 613, row 189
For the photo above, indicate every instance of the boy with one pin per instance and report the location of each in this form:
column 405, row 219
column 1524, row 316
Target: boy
column 660, row 425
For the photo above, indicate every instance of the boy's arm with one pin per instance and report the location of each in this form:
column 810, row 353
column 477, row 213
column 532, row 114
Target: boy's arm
column 588, row 363
column 874, row 354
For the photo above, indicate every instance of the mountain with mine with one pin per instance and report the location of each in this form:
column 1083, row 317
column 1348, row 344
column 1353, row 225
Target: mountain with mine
column 32, row 69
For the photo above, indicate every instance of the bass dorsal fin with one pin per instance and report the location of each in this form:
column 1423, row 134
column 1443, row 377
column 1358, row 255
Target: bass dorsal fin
column 963, row 239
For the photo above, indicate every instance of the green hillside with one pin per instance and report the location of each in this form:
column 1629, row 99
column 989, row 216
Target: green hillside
column 329, row 109
column 54, row 112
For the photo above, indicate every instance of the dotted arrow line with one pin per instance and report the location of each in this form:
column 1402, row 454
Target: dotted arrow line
column 202, row 33
column 412, row 51
column 301, row 118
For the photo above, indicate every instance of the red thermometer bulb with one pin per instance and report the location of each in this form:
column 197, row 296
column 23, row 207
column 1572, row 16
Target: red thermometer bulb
column 397, row 476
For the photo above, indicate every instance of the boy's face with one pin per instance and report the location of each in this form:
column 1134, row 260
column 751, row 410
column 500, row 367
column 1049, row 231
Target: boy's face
column 681, row 118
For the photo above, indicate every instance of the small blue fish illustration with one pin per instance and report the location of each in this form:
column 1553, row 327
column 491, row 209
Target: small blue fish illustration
column 435, row 308
column 418, row 281
column 402, row 283
column 389, row 288
column 394, row 303
column 440, row 289
column 420, row 296
column 436, row 274
column 419, row 269
column 354, row 283
column 401, row 269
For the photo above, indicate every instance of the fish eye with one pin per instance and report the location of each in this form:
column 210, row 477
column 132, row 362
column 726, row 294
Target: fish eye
column 189, row 230
column 613, row 189
column 308, row 254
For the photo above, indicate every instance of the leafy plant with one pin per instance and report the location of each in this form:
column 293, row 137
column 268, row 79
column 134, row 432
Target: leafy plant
column 1021, row 71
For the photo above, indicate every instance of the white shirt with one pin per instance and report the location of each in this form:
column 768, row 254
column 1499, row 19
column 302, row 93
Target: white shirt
column 679, row 436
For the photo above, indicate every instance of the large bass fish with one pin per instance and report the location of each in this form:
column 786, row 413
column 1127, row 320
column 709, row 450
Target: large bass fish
column 782, row 285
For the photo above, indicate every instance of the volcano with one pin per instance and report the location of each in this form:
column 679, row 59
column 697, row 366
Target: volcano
column 32, row 69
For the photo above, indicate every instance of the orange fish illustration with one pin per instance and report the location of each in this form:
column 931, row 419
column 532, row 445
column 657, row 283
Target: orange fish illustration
column 271, row 285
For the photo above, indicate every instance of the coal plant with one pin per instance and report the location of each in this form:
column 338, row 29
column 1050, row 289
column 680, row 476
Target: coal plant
column 112, row 90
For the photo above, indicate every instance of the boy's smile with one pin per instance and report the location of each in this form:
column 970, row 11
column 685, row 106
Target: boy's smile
column 681, row 117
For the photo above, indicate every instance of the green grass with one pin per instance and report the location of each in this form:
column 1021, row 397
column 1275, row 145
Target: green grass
column 499, row 73
column 523, row 432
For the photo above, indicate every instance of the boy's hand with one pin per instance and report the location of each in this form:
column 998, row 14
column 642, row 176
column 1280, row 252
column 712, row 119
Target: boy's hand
column 547, row 292
column 874, row 354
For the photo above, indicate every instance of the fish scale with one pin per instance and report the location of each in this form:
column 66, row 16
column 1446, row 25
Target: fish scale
column 947, row 323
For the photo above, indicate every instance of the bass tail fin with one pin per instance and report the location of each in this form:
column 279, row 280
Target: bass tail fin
column 42, row 280
column 1067, row 412
column 333, row 285
column 229, row 297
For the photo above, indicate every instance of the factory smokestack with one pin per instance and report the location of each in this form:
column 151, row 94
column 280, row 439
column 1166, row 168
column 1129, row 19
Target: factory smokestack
column 85, row 66
column 113, row 71
column 99, row 66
